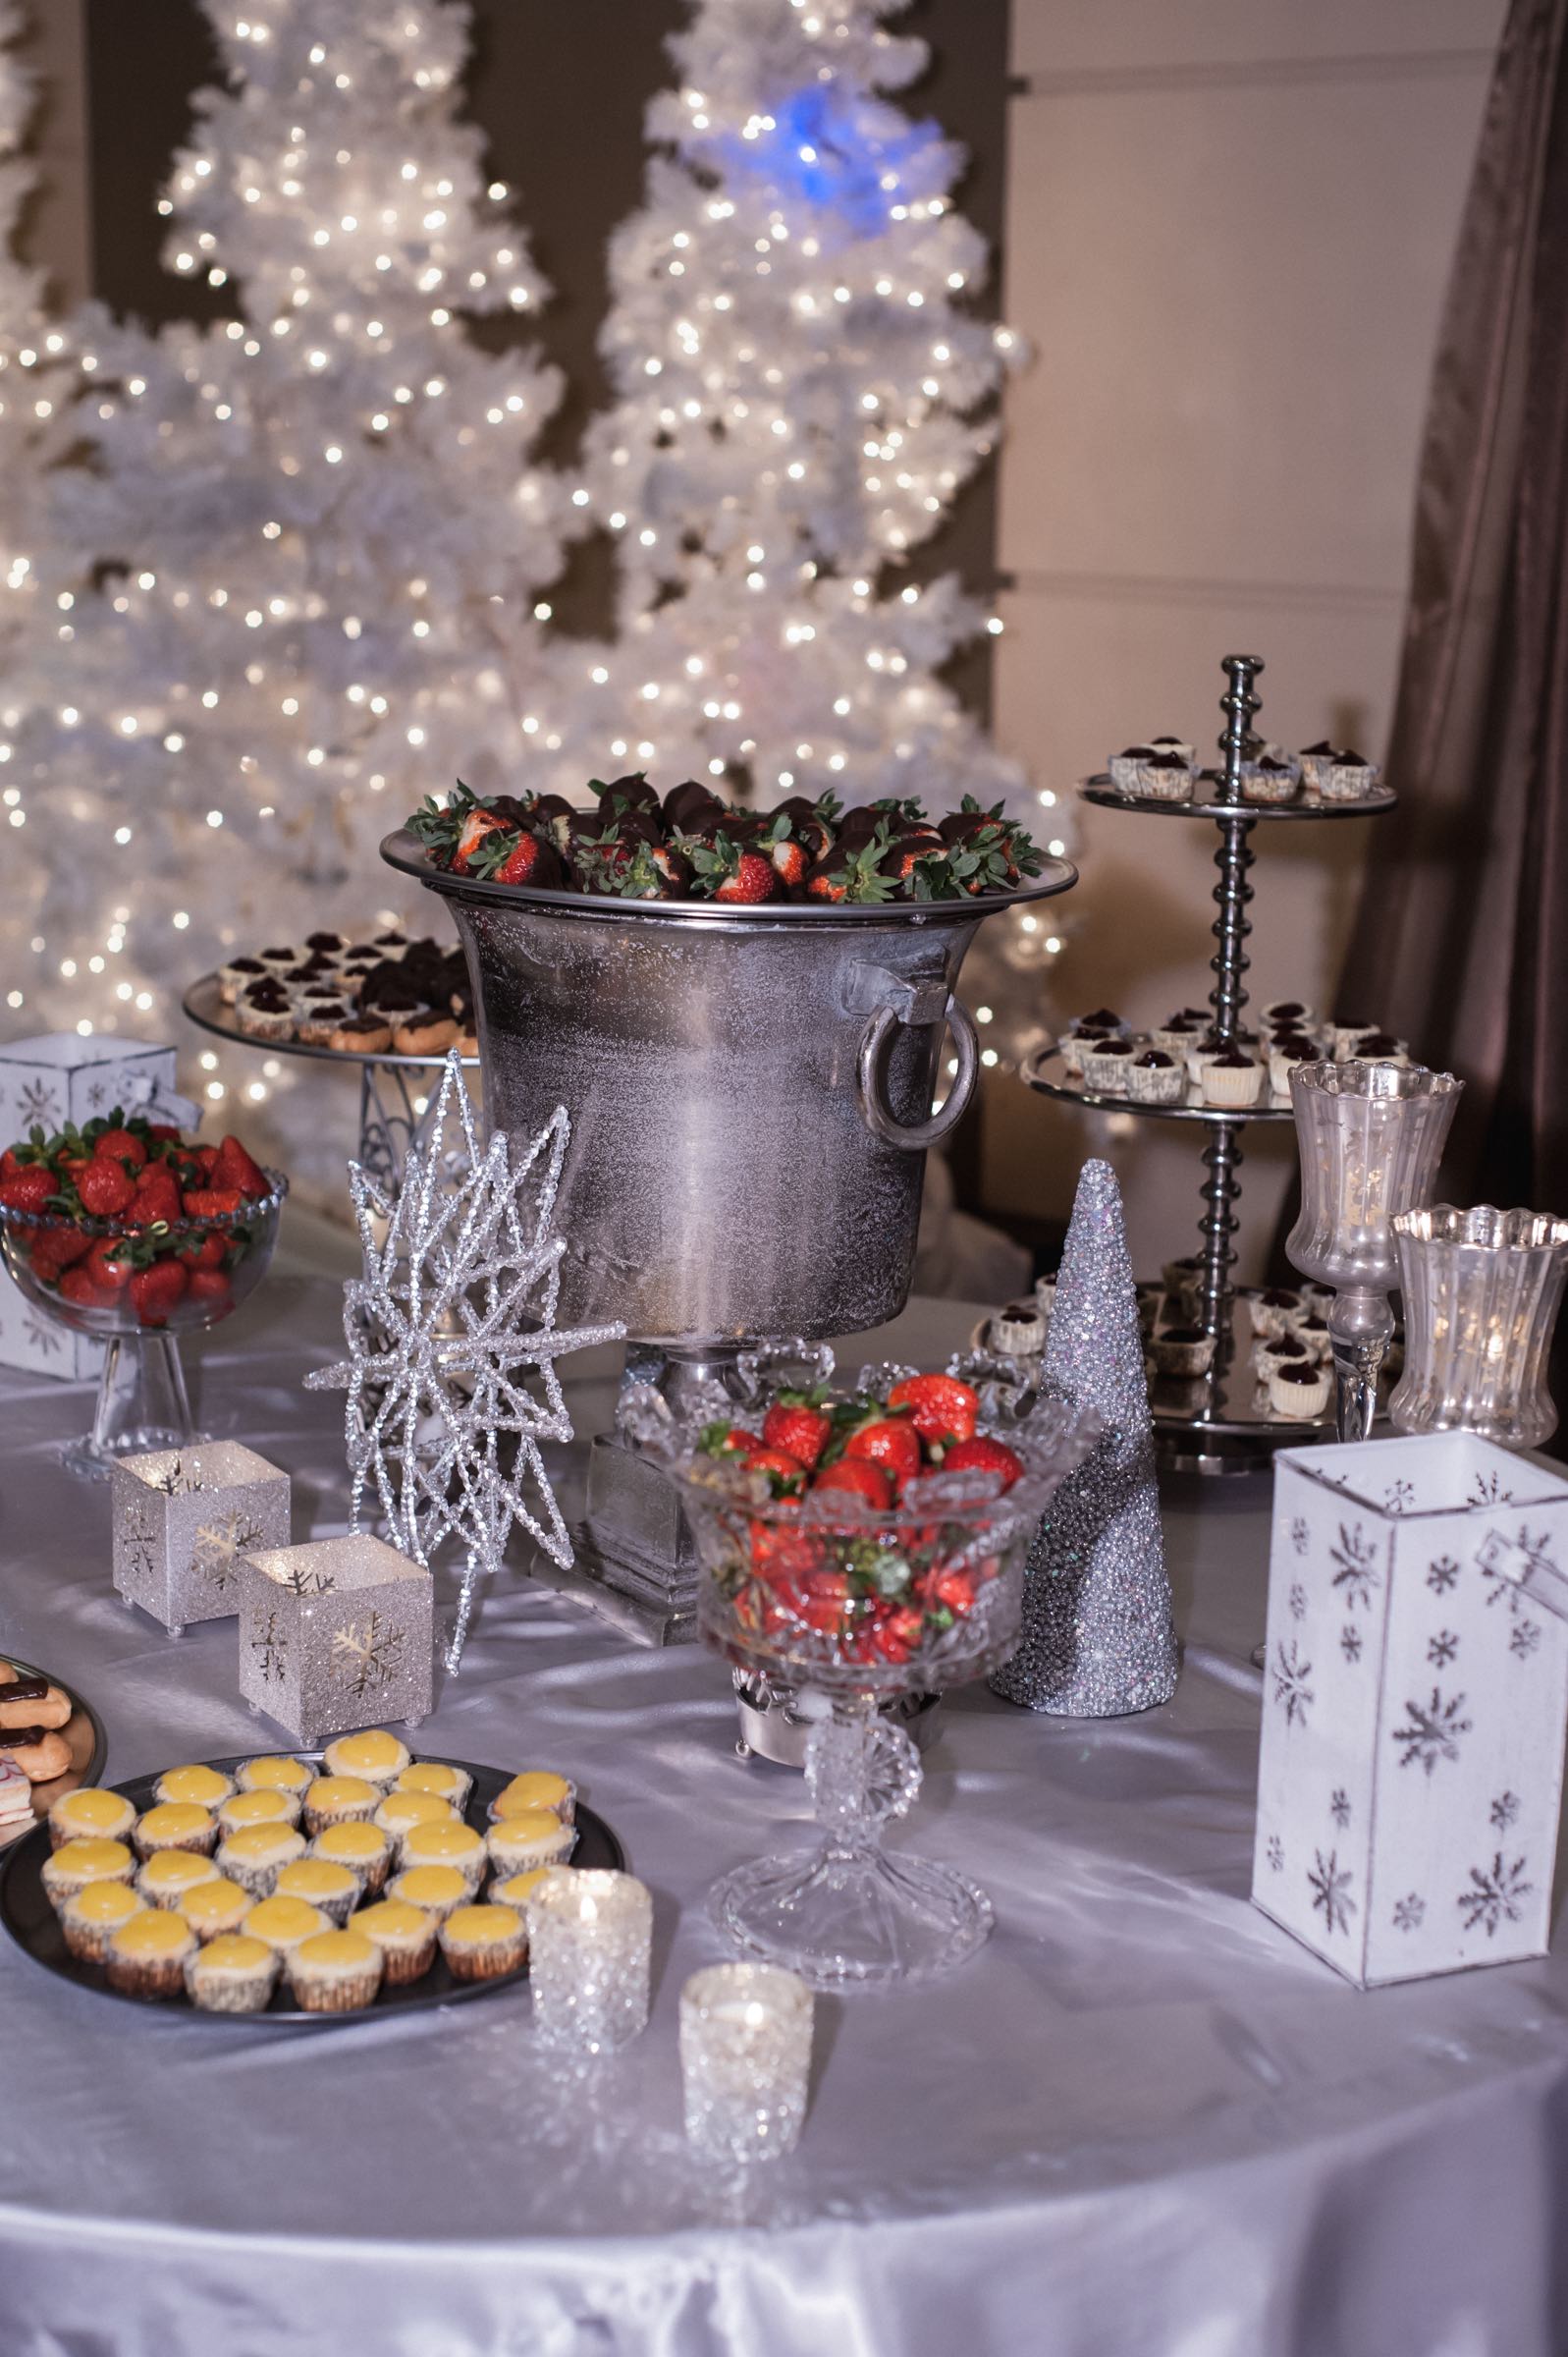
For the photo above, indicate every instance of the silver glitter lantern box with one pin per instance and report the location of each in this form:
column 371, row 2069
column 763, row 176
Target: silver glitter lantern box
column 1415, row 1696
column 182, row 1521
column 336, row 1634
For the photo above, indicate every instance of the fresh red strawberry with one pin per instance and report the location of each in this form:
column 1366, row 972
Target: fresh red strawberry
column 55, row 1248
column 982, row 1455
column 71, row 1166
column 893, row 1444
column 211, row 1286
column 851, row 872
column 158, row 1289
column 787, row 1475
column 784, row 1555
column 234, row 1167
column 724, row 1439
column 210, row 1202
column 27, row 1189
column 795, row 1422
column 106, row 1188
column 155, row 1197
column 954, row 1589
column 205, row 1155
column 857, row 1479
column 122, row 1145
column 110, row 1263
column 896, row 1637
column 164, row 1133
column 77, row 1285
column 207, row 1254
column 944, row 1409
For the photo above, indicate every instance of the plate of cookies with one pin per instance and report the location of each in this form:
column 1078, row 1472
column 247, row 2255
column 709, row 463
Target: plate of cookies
column 50, row 1742
column 305, row 1885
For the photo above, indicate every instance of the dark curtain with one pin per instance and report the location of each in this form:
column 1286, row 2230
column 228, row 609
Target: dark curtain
column 1461, row 938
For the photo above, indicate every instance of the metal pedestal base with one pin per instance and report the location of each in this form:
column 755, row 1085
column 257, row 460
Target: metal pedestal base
column 637, row 1548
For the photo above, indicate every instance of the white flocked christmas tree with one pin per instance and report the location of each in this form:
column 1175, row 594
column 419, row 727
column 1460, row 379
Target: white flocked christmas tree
column 293, row 588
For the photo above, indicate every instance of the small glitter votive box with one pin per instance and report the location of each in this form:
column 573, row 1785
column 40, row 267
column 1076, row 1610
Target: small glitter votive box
column 335, row 1634
column 183, row 1519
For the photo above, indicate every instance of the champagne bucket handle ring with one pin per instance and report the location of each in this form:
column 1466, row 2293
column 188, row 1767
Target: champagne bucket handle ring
column 916, row 1003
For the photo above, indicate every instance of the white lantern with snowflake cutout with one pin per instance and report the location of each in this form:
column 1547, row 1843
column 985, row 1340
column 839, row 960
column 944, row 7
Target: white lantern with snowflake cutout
column 1415, row 1698
column 336, row 1634
column 183, row 1519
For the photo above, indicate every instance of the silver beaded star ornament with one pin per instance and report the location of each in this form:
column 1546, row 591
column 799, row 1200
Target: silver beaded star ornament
column 453, row 1343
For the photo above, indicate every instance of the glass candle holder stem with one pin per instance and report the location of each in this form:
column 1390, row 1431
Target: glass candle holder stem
column 1361, row 1326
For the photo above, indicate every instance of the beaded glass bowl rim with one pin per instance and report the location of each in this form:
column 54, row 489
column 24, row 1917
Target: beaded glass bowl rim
column 13, row 1215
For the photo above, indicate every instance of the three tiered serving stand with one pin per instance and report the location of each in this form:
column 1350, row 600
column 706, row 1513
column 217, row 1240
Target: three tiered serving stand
column 1220, row 1421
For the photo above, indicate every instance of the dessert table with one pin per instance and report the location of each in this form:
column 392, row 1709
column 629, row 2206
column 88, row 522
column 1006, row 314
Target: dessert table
column 1142, row 2122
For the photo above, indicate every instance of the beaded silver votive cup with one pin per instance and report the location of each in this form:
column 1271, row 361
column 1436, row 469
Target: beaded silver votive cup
column 1370, row 1136
column 590, row 1934
column 1482, row 1291
column 745, row 2060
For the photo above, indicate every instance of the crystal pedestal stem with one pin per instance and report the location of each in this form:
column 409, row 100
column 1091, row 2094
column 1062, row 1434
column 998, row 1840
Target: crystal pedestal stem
column 142, row 1404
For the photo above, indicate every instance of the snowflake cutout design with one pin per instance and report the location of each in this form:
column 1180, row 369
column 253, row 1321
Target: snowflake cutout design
column 1357, row 1558
column 1298, row 1601
column 220, row 1543
column 1524, row 1639
column 178, row 1480
column 1504, row 1810
column 368, row 1655
column 1330, row 1892
column 1399, row 1494
column 38, row 1105
column 1442, row 1574
column 1496, row 1895
column 1433, row 1732
column 1276, row 1853
column 1409, row 1914
column 97, row 1095
column 142, row 1542
column 1350, row 1641
column 1339, row 1808
column 1291, row 1689
column 1441, row 1649
column 301, row 1582
column 1300, row 1534
column 42, row 1338
column 452, row 1333
column 271, row 1647
column 1486, row 1490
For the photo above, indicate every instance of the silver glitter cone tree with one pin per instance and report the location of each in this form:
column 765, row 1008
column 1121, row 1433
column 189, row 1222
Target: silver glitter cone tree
column 1098, row 1634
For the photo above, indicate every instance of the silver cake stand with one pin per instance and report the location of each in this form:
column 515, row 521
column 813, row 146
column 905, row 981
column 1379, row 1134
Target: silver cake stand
column 389, row 1083
column 1219, row 1422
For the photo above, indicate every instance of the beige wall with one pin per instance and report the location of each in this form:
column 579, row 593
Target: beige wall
column 55, row 231
column 1229, row 225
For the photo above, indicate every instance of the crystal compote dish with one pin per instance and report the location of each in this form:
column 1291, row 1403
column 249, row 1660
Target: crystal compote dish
column 859, row 1605
column 141, row 1401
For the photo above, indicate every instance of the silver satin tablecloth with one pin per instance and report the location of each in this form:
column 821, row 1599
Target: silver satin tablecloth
column 1143, row 2124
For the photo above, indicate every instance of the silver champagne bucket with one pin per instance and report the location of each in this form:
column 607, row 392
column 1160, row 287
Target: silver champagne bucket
column 749, row 1093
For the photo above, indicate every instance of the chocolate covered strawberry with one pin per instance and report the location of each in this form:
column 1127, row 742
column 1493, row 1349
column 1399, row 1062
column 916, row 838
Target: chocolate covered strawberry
column 727, row 871
column 521, row 858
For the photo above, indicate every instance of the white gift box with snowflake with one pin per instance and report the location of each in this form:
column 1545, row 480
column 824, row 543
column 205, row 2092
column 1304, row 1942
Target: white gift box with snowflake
column 183, row 1519
column 1415, row 1698
column 336, row 1634
column 45, row 1084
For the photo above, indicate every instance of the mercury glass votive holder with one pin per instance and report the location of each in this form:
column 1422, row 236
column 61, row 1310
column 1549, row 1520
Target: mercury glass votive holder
column 1370, row 1136
column 745, row 2060
column 1482, row 1289
column 590, row 1934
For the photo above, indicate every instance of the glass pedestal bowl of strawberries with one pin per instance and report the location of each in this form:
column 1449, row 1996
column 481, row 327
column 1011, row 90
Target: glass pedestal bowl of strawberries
column 862, row 1543
column 131, row 1233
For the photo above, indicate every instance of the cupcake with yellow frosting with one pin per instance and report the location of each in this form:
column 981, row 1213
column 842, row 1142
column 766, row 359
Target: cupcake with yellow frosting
column 75, row 1864
column 166, row 1878
column 438, row 1889
column 256, row 1854
column 405, row 1937
column 90, row 1812
column 537, row 1788
column 267, row 1805
column 146, row 1956
column 232, row 1974
column 284, row 1922
column 448, row 1784
column 363, row 1848
column 200, row 1785
column 480, row 1943
column 175, row 1825
column 533, row 1837
column 399, row 1810
column 335, row 1889
column 275, row 1772
column 339, row 1800
column 90, row 1917
column 333, row 1972
column 512, row 1889
column 215, row 1908
column 377, row 1757
column 444, row 1842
